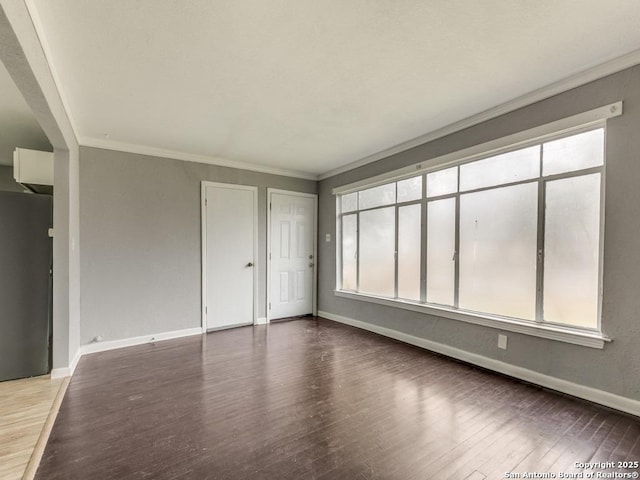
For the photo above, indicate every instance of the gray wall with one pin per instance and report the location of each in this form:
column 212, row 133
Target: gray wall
column 140, row 229
column 7, row 182
column 615, row 369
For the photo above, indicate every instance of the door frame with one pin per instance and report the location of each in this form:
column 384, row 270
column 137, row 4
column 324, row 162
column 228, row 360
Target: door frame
column 203, row 209
column 314, row 233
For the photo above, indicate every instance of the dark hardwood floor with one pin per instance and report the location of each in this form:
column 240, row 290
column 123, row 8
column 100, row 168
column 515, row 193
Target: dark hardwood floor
column 313, row 399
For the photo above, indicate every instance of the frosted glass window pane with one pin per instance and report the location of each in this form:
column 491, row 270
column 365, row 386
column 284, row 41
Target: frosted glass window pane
column 349, row 202
column 377, row 196
column 442, row 182
column 505, row 168
column 410, row 189
column 441, row 236
column 498, row 241
column 409, row 228
column 349, row 252
column 579, row 151
column 377, row 248
column 572, row 243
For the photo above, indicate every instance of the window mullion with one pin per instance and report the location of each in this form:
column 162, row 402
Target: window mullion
column 601, row 242
column 357, row 251
column 395, row 284
column 456, row 252
column 338, row 240
column 423, row 243
column 339, row 249
column 540, row 246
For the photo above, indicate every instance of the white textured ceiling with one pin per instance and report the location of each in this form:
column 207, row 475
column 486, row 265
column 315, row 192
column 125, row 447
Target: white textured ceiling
column 18, row 125
column 308, row 85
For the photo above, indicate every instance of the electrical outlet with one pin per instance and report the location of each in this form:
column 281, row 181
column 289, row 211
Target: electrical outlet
column 327, row 237
column 502, row 341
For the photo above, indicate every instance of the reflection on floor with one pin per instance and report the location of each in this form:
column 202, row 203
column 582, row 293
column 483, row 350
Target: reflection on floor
column 314, row 399
column 24, row 408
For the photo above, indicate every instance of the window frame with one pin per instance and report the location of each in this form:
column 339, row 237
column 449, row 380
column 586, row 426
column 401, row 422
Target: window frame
column 576, row 124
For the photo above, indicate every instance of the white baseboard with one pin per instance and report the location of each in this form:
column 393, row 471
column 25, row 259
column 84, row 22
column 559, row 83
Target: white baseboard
column 132, row 341
column 67, row 371
column 113, row 344
column 261, row 321
column 74, row 362
column 60, row 373
column 581, row 391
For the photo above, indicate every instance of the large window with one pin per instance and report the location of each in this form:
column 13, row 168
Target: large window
column 515, row 235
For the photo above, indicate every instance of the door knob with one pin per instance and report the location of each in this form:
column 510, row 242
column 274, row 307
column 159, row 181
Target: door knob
column 250, row 264
column 311, row 264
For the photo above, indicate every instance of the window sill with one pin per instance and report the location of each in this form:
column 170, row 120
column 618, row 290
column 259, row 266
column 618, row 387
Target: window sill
column 586, row 338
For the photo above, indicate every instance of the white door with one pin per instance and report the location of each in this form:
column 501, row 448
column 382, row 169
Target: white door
column 292, row 257
column 229, row 238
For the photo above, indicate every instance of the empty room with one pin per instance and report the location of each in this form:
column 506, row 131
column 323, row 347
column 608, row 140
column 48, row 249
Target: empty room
column 330, row 240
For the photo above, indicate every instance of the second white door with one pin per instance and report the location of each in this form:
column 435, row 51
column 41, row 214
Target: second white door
column 292, row 257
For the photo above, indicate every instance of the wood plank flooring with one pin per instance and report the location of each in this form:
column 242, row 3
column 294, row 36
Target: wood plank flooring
column 24, row 407
column 311, row 398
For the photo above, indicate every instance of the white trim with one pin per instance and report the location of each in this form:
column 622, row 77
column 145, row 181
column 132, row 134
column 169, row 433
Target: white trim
column 611, row 400
column 45, row 433
column 589, row 75
column 189, row 157
column 74, row 361
column 552, row 332
column 256, row 254
column 60, row 372
column 314, row 310
column 268, row 286
column 314, row 196
column 261, row 321
column 203, row 253
column 67, row 371
column 132, row 341
column 203, row 226
column 536, row 134
column 338, row 243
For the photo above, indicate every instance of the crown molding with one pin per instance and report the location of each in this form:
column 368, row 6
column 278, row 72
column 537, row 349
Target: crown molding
column 190, row 157
column 594, row 73
column 589, row 75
